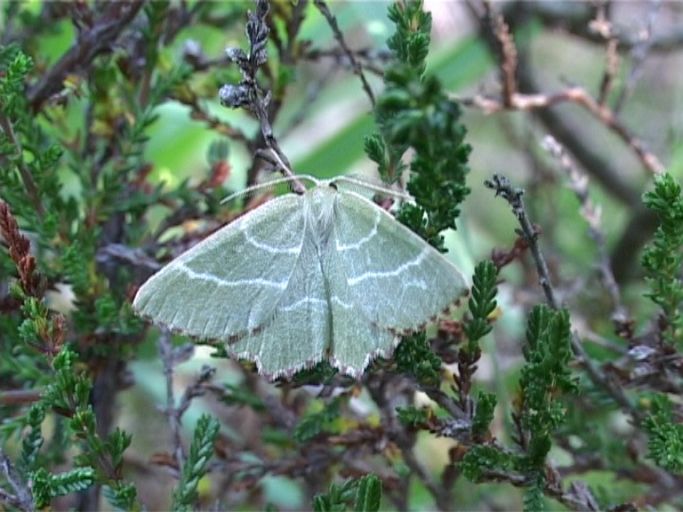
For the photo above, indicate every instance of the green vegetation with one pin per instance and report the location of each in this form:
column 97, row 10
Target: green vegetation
column 555, row 384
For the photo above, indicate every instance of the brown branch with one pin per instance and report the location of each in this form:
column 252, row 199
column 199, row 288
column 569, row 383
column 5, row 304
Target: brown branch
column 643, row 222
column 503, row 257
column 565, row 132
column 19, row 396
column 507, row 55
column 250, row 95
column 377, row 387
column 578, row 96
column 90, row 44
column 611, row 69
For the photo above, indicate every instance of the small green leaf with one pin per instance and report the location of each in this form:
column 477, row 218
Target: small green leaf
column 314, row 424
column 369, row 494
column 414, row 357
column 482, row 303
column 483, row 415
column 201, row 450
column 412, row 417
column 46, row 486
column 480, row 458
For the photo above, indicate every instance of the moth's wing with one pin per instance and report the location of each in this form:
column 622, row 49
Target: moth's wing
column 230, row 283
column 298, row 335
column 356, row 340
column 394, row 276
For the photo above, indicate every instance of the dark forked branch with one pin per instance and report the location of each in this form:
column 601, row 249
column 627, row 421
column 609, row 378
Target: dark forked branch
column 89, row 44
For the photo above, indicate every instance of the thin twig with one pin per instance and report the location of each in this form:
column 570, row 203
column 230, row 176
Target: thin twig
column 578, row 96
column 611, row 69
column 502, row 187
column 22, row 498
column 89, row 44
column 538, row 101
column 170, row 357
column 563, row 15
column 25, row 174
column 249, row 94
column 507, row 55
column 213, row 122
column 377, row 386
column 357, row 68
column 19, row 396
column 441, row 495
column 578, row 182
column 196, row 389
column 513, row 196
column 639, row 53
column 578, row 497
column 135, row 257
column 643, row 221
column 166, row 354
column 367, row 56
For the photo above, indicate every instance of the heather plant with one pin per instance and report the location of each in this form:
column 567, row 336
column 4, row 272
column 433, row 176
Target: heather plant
column 102, row 108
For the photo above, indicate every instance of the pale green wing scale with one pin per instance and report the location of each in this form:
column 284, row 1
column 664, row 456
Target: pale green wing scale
column 228, row 285
column 398, row 280
column 298, row 334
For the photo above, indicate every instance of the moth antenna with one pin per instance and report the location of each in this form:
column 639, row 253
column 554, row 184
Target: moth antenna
column 270, row 183
column 376, row 188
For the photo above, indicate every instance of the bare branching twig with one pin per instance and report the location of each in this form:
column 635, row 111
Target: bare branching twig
column 249, row 94
column 22, row 498
column 578, row 182
column 574, row 18
column 170, row 357
column 357, row 68
column 578, row 96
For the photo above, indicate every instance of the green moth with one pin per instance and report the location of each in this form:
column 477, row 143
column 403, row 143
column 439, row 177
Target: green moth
column 323, row 275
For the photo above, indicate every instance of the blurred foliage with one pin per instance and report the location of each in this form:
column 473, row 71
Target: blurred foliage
column 663, row 257
column 665, row 435
column 364, row 493
column 103, row 111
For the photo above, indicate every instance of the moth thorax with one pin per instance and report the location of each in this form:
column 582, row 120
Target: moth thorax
column 321, row 213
